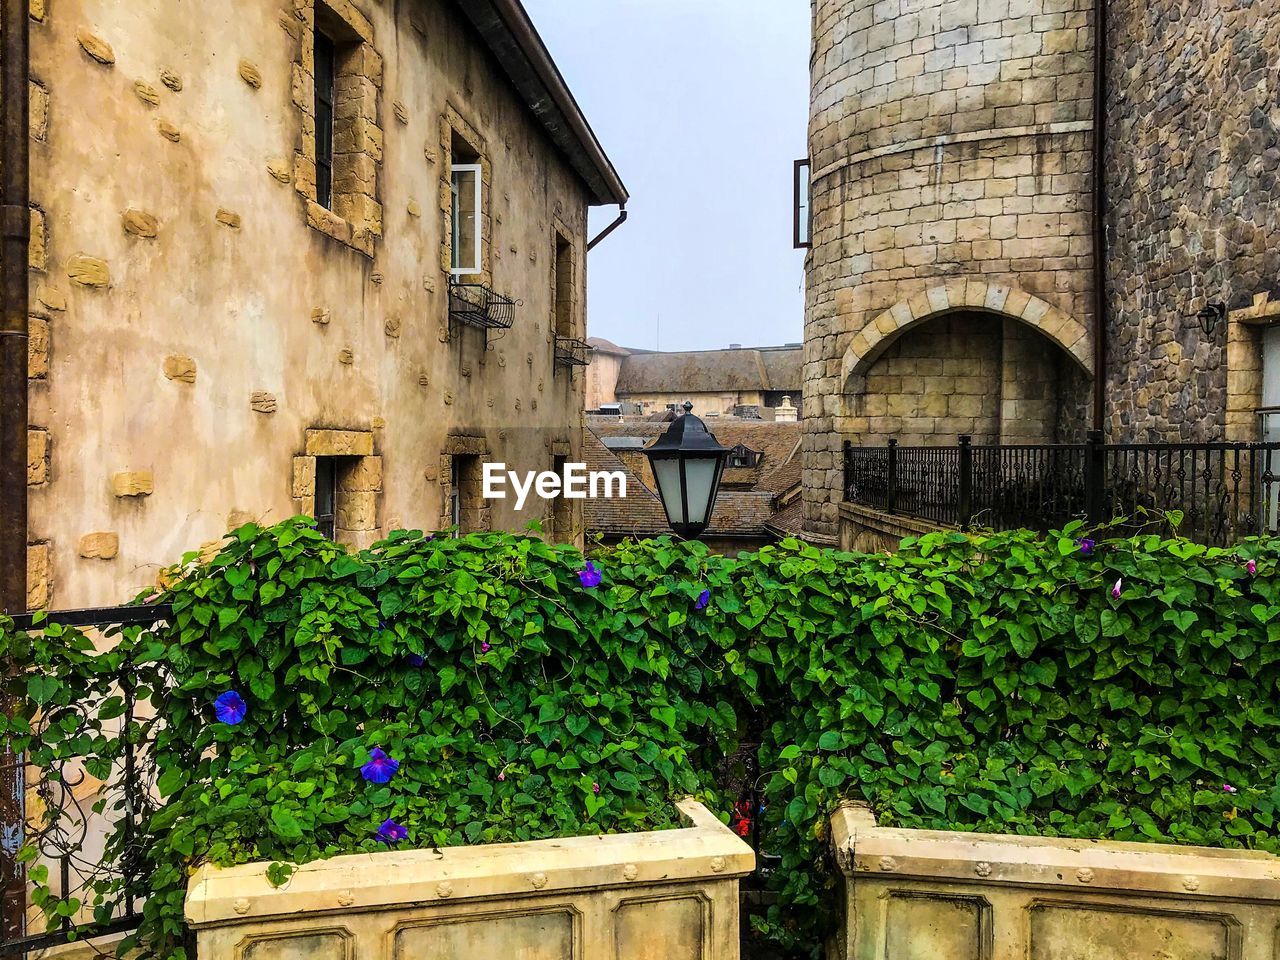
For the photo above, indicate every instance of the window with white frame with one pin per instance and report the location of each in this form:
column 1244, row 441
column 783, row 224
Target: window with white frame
column 466, row 187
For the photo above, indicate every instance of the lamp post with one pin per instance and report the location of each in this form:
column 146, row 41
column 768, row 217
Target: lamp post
column 687, row 462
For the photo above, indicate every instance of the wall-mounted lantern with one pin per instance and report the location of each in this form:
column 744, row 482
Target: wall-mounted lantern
column 687, row 462
column 1210, row 315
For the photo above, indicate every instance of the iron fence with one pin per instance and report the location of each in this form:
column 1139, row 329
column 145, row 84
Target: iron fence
column 62, row 844
column 1224, row 491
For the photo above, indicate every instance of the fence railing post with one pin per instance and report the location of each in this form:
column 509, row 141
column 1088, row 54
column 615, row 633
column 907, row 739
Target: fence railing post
column 964, row 508
column 891, row 485
column 847, row 492
column 1094, row 478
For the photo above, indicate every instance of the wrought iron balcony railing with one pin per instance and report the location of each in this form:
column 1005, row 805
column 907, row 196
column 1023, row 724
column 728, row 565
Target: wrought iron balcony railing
column 573, row 353
column 1224, row 491
column 479, row 306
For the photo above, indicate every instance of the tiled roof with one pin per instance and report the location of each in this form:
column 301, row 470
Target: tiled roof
column 789, row 521
column 708, row 371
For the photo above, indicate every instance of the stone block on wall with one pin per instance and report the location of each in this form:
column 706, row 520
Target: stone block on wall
column 37, row 348
column 99, row 546
column 37, row 457
column 339, row 443
column 137, row 483
column 39, row 575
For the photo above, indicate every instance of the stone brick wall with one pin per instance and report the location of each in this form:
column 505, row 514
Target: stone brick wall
column 950, row 151
column 196, row 314
column 1193, row 155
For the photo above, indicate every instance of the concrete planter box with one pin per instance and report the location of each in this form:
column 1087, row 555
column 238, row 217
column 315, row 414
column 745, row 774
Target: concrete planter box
column 925, row 894
column 670, row 894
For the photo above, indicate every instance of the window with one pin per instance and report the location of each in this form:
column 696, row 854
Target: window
column 326, row 511
column 326, row 60
column 465, row 217
column 455, row 496
column 561, row 506
column 743, row 456
column 801, row 233
column 564, row 287
column 466, row 492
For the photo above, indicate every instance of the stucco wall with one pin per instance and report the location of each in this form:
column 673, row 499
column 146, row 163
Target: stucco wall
column 1193, row 154
column 195, row 326
column 950, row 152
column 964, row 896
column 602, row 377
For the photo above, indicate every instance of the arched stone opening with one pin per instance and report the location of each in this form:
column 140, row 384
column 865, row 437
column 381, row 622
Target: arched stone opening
column 969, row 372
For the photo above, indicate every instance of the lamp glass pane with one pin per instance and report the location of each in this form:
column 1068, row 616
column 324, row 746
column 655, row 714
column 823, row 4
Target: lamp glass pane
column 667, row 474
column 700, row 475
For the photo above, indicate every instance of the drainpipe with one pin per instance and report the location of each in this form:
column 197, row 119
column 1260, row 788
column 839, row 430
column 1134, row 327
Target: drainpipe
column 14, row 236
column 1099, row 213
column 622, row 218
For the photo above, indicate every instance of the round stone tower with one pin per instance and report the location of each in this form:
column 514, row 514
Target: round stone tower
column 950, row 277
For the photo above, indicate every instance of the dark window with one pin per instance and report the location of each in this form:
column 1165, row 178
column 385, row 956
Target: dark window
column 743, row 456
column 564, row 287
column 800, row 234
column 326, row 495
column 326, row 70
column 466, row 494
column 561, row 506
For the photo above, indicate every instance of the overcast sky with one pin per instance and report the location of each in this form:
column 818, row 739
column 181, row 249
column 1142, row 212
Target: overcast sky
column 702, row 105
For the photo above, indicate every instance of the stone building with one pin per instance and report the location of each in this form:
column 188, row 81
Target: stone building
column 295, row 256
column 1193, row 219
column 717, row 382
column 951, row 270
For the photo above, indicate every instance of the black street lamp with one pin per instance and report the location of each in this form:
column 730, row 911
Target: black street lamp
column 687, row 462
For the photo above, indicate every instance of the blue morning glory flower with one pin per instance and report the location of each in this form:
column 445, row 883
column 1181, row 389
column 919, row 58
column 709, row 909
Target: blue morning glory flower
column 380, row 767
column 704, row 598
column 391, row 833
column 414, row 660
column 230, row 708
column 589, row 576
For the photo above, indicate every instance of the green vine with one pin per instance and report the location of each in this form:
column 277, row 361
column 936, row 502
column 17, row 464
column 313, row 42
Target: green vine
column 307, row 702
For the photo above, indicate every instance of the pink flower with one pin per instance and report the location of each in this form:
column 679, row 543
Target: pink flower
column 1252, row 567
column 484, row 647
column 502, row 774
column 1115, row 590
column 1228, row 788
column 595, row 788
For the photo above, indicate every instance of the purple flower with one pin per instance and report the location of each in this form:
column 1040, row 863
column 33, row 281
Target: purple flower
column 704, row 598
column 391, row 833
column 589, row 576
column 1086, row 546
column 380, row 767
column 230, row 708
column 414, row 660
column 1228, row 788
column 1115, row 590
column 484, row 647
column 595, row 788
column 1252, row 567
